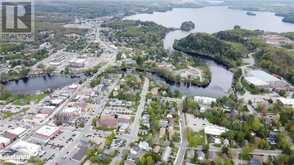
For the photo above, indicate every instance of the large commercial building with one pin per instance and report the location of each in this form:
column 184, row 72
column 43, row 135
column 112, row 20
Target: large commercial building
column 26, row 148
column 48, row 131
column 15, row 133
column 263, row 79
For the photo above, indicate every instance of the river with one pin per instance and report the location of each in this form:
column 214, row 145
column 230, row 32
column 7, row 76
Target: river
column 210, row 20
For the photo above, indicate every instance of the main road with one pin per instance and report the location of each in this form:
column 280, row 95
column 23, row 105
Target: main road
column 183, row 143
column 134, row 130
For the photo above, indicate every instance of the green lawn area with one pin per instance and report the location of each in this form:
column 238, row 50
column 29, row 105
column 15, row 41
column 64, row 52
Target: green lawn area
column 195, row 138
column 25, row 100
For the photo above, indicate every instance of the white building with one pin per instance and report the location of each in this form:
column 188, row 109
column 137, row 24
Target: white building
column 77, row 63
column 263, row 79
column 45, row 45
column 26, row 148
column 204, row 100
column 4, row 142
column 17, row 131
column 286, row 101
column 215, row 130
column 256, row 82
column 38, row 118
column 48, row 131
column 166, row 154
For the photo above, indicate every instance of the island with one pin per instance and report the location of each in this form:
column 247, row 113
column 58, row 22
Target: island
column 187, row 26
column 288, row 18
column 250, row 13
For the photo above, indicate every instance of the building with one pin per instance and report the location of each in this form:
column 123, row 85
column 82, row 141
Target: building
column 107, row 121
column 38, row 118
column 26, row 148
column 256, row 82
column 15, row 133
column 71, row 111
column 77, row 63
column 286, row 102
column 204, row 100
column 200, row 155
column 166, row 154
column 45, row 45
column 56, row 101
column 215, row 130
column 48, row 131
column 263, row 79
column 144, row 146
column 4, row 142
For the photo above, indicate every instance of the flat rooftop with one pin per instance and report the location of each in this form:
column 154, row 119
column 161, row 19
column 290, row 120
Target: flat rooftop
column 47, row 130
column 262, row 75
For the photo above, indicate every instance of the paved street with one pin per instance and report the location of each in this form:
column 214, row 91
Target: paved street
column 183, row 143
column 134, row 129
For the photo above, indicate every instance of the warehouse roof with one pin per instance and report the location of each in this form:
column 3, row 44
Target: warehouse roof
column 256, row 81
column 262, row 75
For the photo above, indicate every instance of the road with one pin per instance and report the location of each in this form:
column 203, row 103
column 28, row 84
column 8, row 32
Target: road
column 136, row 124
column 111, row 60
column 83, row 131
column 238, row 151
column 183, row 143
column 134, row 129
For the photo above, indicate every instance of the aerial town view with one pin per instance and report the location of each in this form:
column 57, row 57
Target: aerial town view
column 147, row 82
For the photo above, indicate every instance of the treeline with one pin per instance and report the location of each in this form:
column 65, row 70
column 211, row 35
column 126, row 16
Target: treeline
column 137, row 34
column 278, row 61
column 226, row 47
column 229, row 54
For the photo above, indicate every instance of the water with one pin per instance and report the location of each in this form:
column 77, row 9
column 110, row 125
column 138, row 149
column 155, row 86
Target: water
column 211, row 20
column 216, row 18
column 221, row 82
column 40, row 83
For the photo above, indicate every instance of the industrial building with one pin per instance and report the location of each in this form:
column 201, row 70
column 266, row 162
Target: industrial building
column 263, row 79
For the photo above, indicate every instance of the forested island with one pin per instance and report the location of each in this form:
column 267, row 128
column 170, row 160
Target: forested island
column 187, row 26
column 250, row 13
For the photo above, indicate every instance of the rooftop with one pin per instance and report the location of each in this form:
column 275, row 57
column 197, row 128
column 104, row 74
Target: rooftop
column 47, row 130
column 215, row 130
column 256, row 81
column 26, row 148
column 17, row 131
column 262, row 75
column 287, row 101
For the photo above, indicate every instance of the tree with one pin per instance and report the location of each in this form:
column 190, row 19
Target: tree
column 245, row 152
column 189, row 105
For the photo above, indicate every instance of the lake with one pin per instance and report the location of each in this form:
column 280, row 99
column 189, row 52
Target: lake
column 211, row 20
column 216, row 18
column 40, row 83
